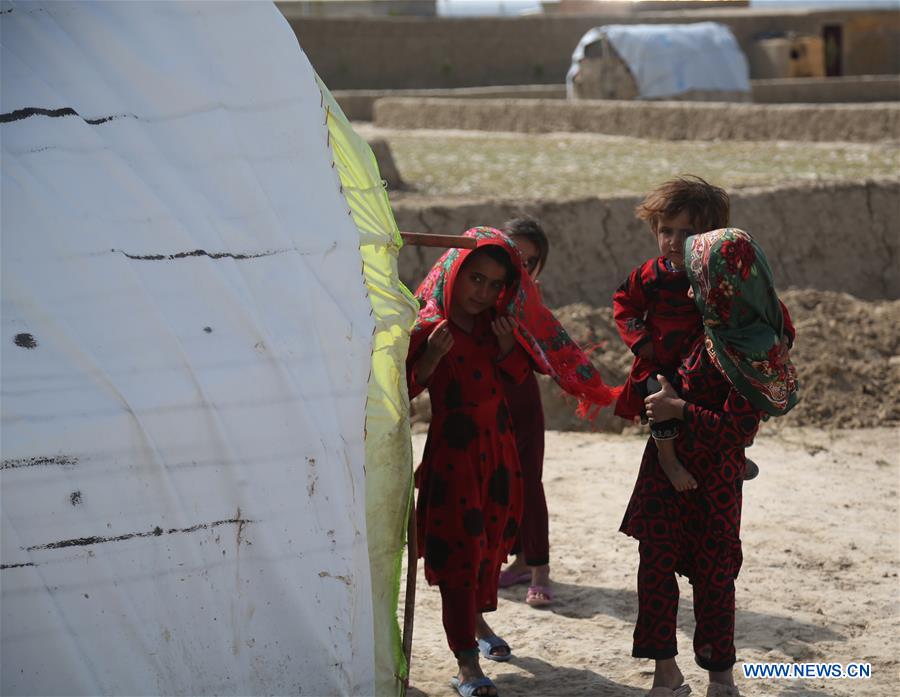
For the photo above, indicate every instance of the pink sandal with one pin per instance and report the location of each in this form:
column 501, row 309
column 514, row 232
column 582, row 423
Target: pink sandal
column 539, row 596
column 513, row 578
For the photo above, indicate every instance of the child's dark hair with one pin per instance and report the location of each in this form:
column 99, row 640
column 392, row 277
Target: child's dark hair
column 499, row 255
column 531, row 230
column 708, row 206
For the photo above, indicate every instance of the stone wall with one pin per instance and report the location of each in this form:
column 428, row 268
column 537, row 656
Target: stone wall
column 838, row 237
column 666, row 120
column 412, row 52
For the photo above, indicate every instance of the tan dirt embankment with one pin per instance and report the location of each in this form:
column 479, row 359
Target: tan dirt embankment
column 847, row 356
column 838, row 236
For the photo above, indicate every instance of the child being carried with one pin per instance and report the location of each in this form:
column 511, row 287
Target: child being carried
column 655, row 317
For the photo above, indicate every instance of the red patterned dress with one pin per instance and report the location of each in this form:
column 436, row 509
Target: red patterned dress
column 528, row 423
column 652, row 305
column 470, row 482
column 694, row 533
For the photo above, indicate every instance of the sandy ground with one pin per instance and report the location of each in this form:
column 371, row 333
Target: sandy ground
column 821, row 539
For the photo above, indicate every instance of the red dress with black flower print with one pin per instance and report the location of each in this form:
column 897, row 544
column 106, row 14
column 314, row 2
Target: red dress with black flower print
column 652, row 306
column 470, row 482
column 719, row 424
column 694, row 533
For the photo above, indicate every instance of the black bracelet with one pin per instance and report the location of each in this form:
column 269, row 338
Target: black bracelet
column 665, row 430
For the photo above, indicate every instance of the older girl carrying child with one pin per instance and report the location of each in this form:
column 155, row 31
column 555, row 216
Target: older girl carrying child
column 737, row 372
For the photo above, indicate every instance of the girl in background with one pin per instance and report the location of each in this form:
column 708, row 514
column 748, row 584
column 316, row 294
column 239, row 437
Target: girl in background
column 532, row 547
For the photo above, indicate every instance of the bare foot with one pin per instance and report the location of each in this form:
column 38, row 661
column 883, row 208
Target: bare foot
column 723, row 677
column 540, row 575
column 517, row 565
column 470, row 669
column 667, row 674
column 681, row 479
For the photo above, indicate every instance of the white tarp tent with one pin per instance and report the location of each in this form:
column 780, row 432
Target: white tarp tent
column 667, row 60
column 186, row 343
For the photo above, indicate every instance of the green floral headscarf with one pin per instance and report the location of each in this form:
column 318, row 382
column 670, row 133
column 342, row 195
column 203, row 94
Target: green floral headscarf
column 742, row 317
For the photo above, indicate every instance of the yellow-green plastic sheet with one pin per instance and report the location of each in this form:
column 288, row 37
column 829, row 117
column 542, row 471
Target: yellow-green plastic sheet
column 388, row 443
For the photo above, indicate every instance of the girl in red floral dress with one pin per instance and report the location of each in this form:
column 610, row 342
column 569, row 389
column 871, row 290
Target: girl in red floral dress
column 481, row 321
column 738, row 372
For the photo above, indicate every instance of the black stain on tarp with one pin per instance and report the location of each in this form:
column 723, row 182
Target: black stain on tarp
column 3, row 567
column 58, row 460
column 155, row 532
column 25, row 341
column 75, row 498
column 208, row 330
column 196, row 253
column 27, row 112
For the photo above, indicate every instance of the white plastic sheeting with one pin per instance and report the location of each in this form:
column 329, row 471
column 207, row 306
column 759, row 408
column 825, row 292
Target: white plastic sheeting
column 669, row 59
column 186, row 341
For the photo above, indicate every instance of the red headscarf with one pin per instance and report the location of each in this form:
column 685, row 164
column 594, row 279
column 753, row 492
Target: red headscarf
column 538, row 331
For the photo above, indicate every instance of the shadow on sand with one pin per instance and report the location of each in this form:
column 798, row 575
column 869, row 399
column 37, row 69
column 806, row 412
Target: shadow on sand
column 585, row 602
column 541, row 678
column 547, row 679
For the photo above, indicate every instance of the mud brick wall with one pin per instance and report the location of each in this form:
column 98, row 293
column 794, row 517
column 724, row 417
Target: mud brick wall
column 662, row 120
column 839, row 237
column 415, row 52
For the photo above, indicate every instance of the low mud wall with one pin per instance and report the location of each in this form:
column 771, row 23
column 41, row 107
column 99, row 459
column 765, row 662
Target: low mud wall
column 818, row 90
column 836, row 237
column 664, row 120
column 358, row 105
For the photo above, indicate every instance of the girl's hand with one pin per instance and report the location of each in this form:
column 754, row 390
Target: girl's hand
column 504, row 328
column 440, row 341
column 665, row 404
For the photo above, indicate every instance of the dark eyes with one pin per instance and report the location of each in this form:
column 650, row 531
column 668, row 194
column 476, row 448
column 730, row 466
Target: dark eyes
column 531, row 263
column 479, row 279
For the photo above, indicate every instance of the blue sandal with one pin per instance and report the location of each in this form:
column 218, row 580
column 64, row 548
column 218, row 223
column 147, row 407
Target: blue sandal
column 468, row 689
column 488, row 644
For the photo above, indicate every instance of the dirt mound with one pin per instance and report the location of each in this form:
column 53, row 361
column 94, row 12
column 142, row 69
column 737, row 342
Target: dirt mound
column 847, row 355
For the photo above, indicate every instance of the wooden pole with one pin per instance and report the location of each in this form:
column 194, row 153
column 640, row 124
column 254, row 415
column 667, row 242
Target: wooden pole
column 419, row 239
column 409, row 609
column 426, row 239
